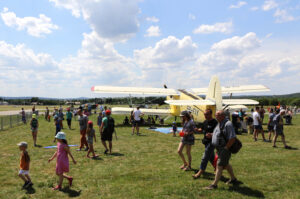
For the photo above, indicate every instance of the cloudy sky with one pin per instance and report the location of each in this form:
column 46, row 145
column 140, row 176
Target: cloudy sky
column 60, row 48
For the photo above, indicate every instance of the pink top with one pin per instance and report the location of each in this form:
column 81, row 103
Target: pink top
column 62, row 163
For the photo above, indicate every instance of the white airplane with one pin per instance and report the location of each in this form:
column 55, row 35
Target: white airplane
column 181, row 99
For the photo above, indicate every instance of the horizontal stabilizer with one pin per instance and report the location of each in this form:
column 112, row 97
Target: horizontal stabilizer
column 239, row 101
column 134, row 90
column 238, row 89
column 190, row 102
column 127, row 111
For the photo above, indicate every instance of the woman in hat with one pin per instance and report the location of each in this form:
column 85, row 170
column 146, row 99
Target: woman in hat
column 62, row 163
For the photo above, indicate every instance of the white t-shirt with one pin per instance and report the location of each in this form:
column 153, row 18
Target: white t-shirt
column 256, row 118
column 137, row 115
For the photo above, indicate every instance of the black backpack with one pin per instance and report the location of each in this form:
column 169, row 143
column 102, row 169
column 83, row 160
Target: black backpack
column 110, row 125
column 34, row 123
column 236, row 146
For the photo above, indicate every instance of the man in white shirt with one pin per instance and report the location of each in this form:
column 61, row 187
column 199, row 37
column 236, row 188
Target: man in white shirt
column 257, row 122
column 137, row 120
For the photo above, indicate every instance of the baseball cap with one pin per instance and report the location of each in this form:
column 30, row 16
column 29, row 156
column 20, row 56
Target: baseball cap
column 23, row 144
column 107, row 112
column 60, row 135
column 90, row 122
column 184, row 113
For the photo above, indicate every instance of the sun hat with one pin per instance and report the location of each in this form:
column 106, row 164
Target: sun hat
column 60, row 135
column 22, row 144
column 184, row 113
column 107, row 112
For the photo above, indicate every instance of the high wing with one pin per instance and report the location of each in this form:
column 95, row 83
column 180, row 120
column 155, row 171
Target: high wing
column 239, row 101
column 238, row 89
column 127, row 111
column 190, row 102
column 134, row 90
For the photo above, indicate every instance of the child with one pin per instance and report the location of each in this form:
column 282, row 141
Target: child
column 90, row 132
column 24, row 165
column 62, row 163
column 174, row 127
column 57, row 125
column 99, row 119
column 34, row 124
column 23, row 116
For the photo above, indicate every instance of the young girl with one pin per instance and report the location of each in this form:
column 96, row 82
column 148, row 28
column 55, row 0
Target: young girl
column 62, row 163
column 34, row 124
column 90, row 132
column 24, row 165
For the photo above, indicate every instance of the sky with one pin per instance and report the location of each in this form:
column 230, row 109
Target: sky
column 61, row 48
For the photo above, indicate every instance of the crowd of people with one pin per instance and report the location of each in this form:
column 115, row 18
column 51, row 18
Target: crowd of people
column 219, row 134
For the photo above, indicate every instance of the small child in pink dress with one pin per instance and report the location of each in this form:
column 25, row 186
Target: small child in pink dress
column 62, row 163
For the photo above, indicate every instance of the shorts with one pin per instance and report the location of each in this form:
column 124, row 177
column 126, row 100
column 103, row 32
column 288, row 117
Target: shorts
column 270, row 128
column 89, row 140
column 279, row 132
column 189, row 140
column 69, row 122
column 258, row 127
column 24, row 172
column 136, row 122
column 106, row 137
column 34, row 130
column 223, row 157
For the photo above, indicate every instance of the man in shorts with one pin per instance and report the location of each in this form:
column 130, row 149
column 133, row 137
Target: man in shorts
column 278, row 127
column 137, row 114
column 223, row 138
column 107, row 130
column 257, row 122
column 271, row 123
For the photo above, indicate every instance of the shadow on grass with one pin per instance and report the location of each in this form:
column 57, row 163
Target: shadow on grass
column 96, row 158
column 30, row 190
column 71, row 192
column 247, row 191
column 39, row 146
column 117, row 154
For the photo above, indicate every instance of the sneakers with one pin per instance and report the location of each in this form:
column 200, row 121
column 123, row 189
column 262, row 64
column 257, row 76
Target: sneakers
column 70, row 181
column 56, row 188
column 232, row 181
column 211, row 187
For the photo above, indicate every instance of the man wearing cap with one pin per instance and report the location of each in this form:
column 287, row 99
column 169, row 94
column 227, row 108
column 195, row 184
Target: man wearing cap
column 106, row 130
column 187, row 140
column 223, row 138
column 83, row 120
column 278, row 128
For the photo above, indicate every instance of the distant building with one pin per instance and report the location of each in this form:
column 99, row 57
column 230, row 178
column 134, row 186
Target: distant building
column 3, row 103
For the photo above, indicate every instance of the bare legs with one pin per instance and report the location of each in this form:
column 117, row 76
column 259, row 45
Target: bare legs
column 105, row 146
column 275, row 139
column 25, row 178
column 34, row 136
column 188, row 152
column 219, row 173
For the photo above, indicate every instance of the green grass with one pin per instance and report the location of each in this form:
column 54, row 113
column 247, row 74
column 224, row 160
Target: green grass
column 147, row 167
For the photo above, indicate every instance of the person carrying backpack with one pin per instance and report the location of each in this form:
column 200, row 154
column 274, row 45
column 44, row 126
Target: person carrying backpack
column 107, row 129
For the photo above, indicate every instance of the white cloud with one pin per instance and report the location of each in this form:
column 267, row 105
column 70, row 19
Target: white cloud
column 283, row 16
column 255, row 8
column 153, row 31
column 269, row 5
column 192, row 17
column 152, row 19
column 168, row 52
column 238, row 5
column 114, row 20
column 36, row 27
column 225, row 28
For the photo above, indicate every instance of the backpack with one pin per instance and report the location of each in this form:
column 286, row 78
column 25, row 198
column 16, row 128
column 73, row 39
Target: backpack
column 110, row 125
column 236, row 146
column 34, row 123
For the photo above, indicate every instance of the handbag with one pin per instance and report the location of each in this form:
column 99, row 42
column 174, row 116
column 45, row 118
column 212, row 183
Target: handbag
column 236, row 146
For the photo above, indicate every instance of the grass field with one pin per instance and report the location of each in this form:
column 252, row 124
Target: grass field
column 147, row 167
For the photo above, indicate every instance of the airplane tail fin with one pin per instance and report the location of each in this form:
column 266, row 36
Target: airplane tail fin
column 214, row 92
